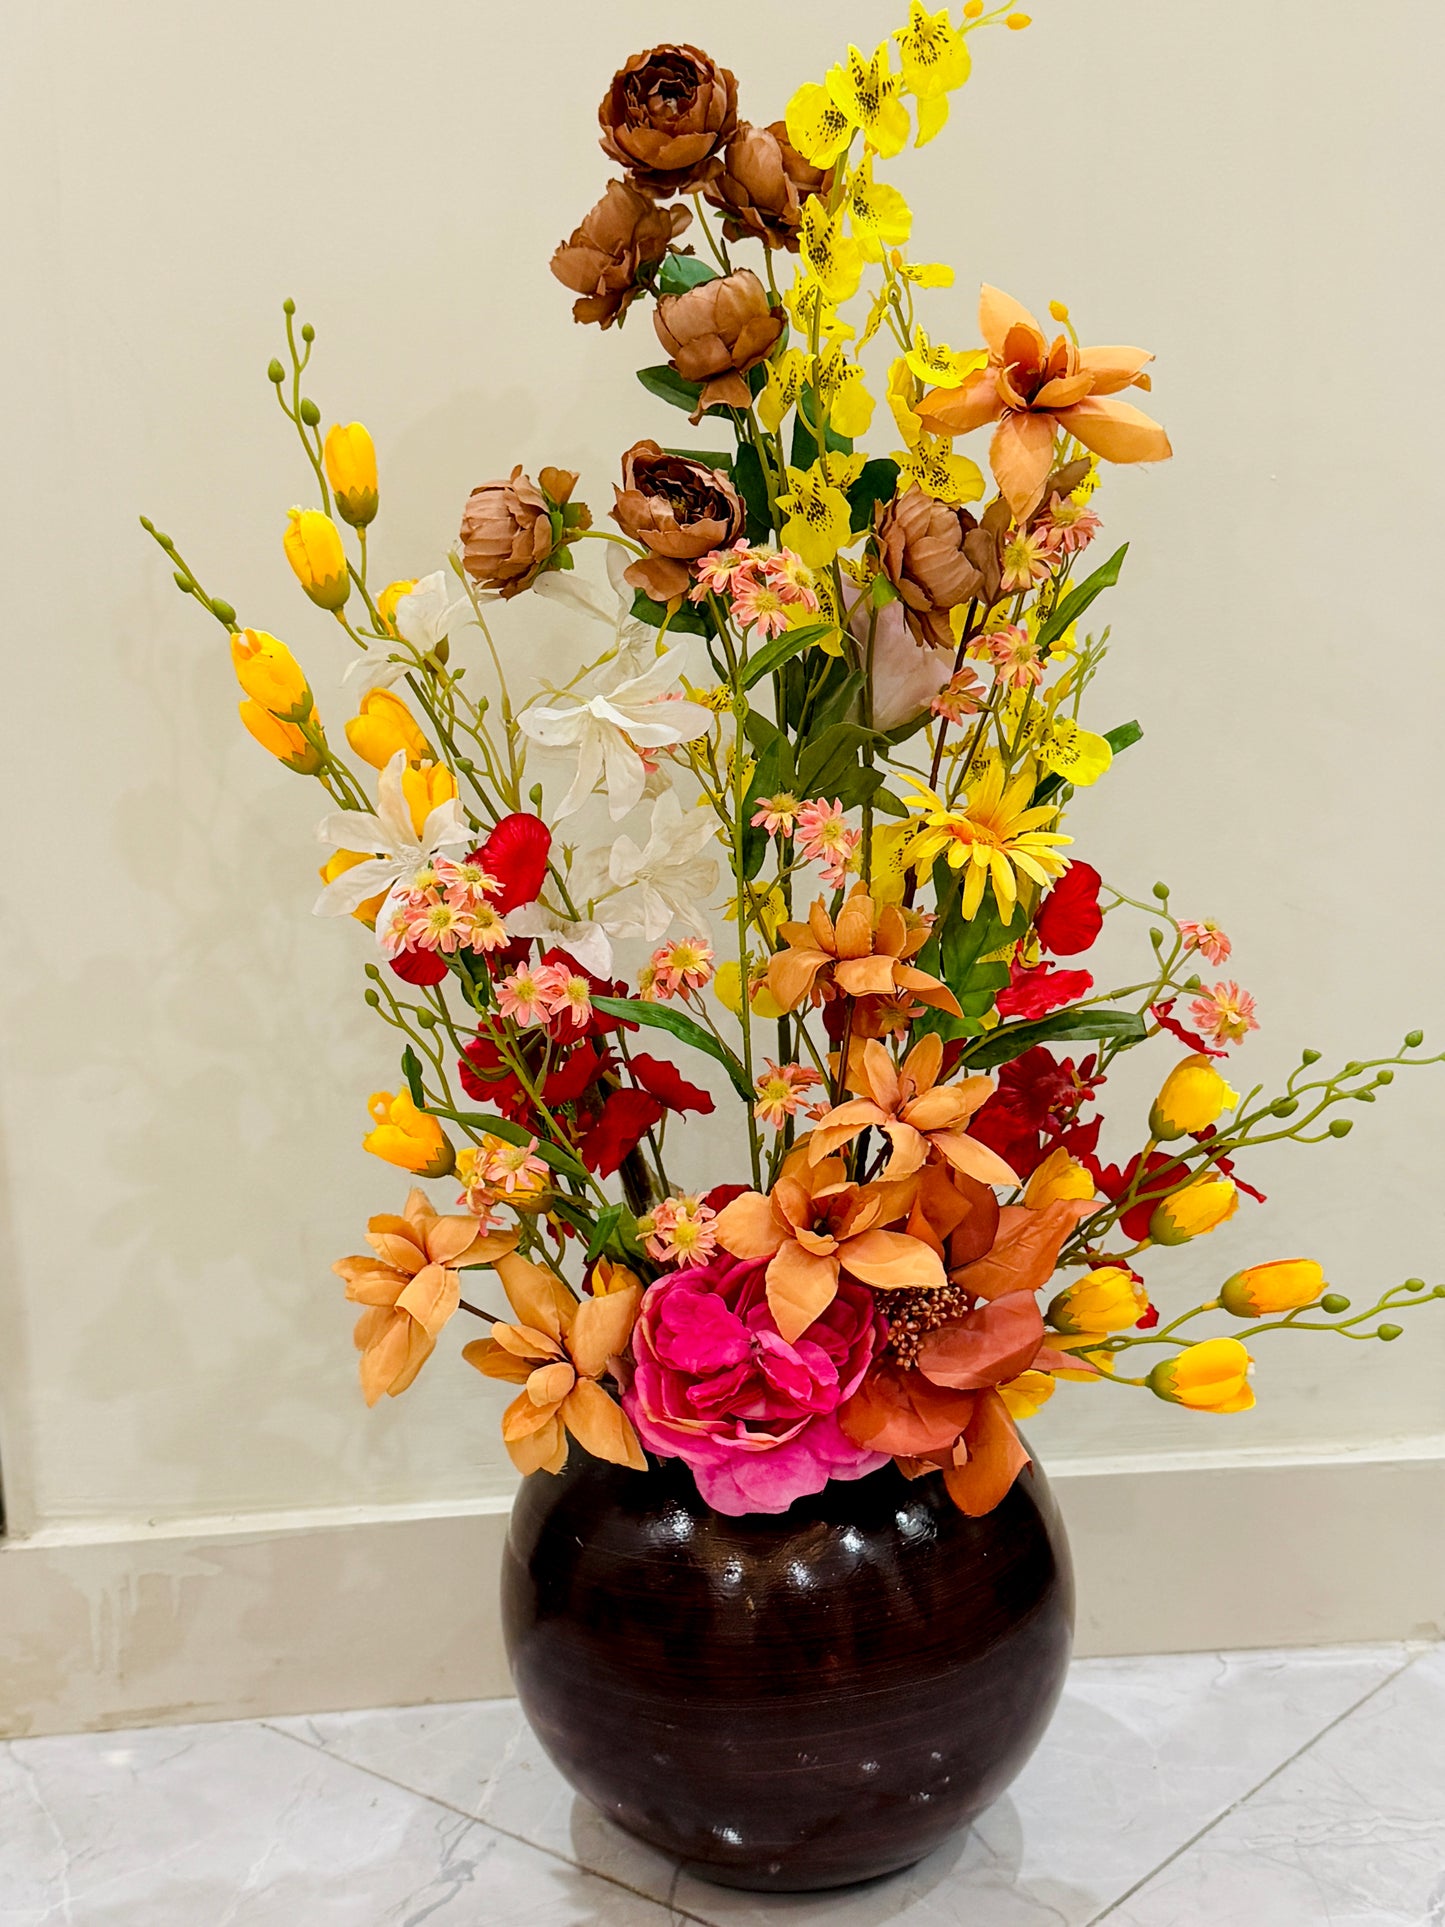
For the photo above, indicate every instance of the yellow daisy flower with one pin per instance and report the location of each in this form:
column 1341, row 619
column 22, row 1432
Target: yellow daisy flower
column 997, row 837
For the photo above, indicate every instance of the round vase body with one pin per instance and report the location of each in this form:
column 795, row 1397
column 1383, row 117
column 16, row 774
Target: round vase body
column 786, row 1703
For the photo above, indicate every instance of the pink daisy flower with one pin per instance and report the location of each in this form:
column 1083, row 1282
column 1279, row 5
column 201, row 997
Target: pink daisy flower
column 488, row 931
column 513, row 1168
column 761, row 606
column 522, row 999
column 794, row 581
column 1208, row 939
column 777, row 814
column 434, row 924
column 680, row 1231
column 823, row 837
column 466, row 883
column 680, row 967
column 1015, row 655
column 1027, row 558
column 1225, row 1013
column 781, row 1090
column 1069, row 525
column 961, row 696
column 717, row 572
column 565, row 993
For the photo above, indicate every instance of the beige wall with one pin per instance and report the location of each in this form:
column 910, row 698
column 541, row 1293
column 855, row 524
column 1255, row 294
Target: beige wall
column 1249, row 190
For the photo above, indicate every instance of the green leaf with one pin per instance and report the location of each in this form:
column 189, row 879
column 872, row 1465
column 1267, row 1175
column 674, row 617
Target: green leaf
column 1002, row 1046
column 840, row 692
column 748, row 480
column 717, row 458
column 877, row 483
column 885, row 803
column 774, row 772
column 683, row 271
column 687, row 1029
column 1078, row 600
column 759, row 729
column 830, row 756
column 614, row 1232
column 805, row 441
column 503, row 1127
column 691, row 619
column 668, row 385
column 774, row 654
column 411, row 1071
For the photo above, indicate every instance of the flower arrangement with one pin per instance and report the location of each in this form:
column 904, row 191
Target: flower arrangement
column 833, row 705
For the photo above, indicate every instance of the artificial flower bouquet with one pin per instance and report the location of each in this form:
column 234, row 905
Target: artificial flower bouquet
column 833, row 703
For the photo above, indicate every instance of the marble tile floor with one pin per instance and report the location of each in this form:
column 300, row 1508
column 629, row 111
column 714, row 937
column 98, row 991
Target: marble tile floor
column 1263, row 1789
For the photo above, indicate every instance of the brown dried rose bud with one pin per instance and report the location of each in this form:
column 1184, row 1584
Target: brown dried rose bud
column 602, row 260
column 716, row 331
column 763, row 185
column 508, row 532
column 921, row 550
column 677, row 508
column 667, row 116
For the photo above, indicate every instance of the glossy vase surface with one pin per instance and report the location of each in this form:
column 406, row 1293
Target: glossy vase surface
column 786, row 1703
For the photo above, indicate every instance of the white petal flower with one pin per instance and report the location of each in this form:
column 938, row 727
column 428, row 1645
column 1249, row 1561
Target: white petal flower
column 608, row 729
column 373, row 671
column 428, row 613
column 397, row 850
column 588, row 942
column 670, row 879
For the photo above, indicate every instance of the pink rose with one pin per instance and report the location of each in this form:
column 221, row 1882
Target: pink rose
column 753, row 1417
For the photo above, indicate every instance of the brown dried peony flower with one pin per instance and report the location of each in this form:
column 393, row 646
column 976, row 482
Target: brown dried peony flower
column 509, row 529
column 763, row 184
column 716, row 332
column 602, row 260
column 921, row 549
column 679, row 510
column 666, row 116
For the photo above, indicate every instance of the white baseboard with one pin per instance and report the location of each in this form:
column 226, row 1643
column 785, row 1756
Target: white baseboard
column 212, row 1619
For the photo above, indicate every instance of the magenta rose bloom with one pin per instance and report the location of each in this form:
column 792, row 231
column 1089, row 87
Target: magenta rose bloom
column 753, row 1417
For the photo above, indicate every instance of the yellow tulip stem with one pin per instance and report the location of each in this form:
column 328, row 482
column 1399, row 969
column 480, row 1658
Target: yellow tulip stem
column 192, row 584
column 516, row 767
column 298, row 363
column 1164, row 1334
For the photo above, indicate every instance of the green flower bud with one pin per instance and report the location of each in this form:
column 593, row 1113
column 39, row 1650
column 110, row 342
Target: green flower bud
column 288, row 306
column 222, row 611
column 310, row 413
column 1414, row 1284
column 1334, row 1303
column 308, row 333
column 1341, row 1127
column 1161, row 890
column 1390, row 1333
column 182, row 582
column 275, row 372
column 373, row 997
column 535, row 793
column 1309, row 1057
column 1353, row 1068
column 1364, row 1097
column 1284, row 1106
column 1385, row 1077
column 426, row 1019
column 1414, row 1039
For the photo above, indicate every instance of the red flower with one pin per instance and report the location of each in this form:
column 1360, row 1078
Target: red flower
column 516, row 854
column 625, row 1120
column 1114, row 1181
column 1036, row 1108
column 1225, row 1166
column 569, row 1081
column 667, row 1084
column 420, row 967
column 1071, row 919
column 722, row 1195
column 1035, row 991
column 487, row 1076
column 1161, row 1013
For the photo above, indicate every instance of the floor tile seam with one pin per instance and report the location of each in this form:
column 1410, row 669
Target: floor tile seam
column 1244, row 1798
column 490, row 1826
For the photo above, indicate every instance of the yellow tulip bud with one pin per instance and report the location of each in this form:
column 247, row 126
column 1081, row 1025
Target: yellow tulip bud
column 1059, row 1176
column 270, row 675
column 284, row 741
column 1284, row 1285
column 972, row 9
column 1109, row 1299
column 1194, row 1097
column 1209, row 1377
column 313, row 548
column 408, row 1137
column 726, row 982
column 1201, row 1206
column 1059, row 310
column 608, row 1277
column 1016, row 22
column 382, row 726
column 337, row 865
column 351, row 470
column 425, row 785
column 386, row 602
column 1025, row 1394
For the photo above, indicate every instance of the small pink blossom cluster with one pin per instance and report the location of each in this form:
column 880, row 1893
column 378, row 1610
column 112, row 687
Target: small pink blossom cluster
column 1068, row 526
column 781, row 1090
column 821, row 834
column 1225, row 1014
column 544, row 993
column 1208, row 939
column 446, row 907
column 495, row 1173
column 961, row 696
column 764, row 587
column 680, row 1232
column 676, row 970
column 1014, row 654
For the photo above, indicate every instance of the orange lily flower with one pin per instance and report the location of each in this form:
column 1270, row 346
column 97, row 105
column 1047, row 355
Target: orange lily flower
column 864, row 955
column 1031, row 387
column 558, row 1350
column 814, row 1225
column 914, row 1113
column 411, row 1288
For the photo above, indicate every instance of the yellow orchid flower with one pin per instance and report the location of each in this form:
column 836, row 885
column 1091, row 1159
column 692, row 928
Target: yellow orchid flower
column 881, row 218
column 932, row 118
column 936, row 364
column 832, row 258
column 867, row 92
column 933, row 54
column 819, row 519
column 1058, row 742
column 904, row 389
column 925, row 274
column 933, row 467
column 787, row 378
column 845, row 402
column 817, row 126
column 808, row 304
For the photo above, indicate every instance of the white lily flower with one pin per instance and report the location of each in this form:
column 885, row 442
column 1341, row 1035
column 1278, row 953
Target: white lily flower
column 588, row 942
column 428, row 613
column 574, row 591
column 372, row 671
column 669, row 879
column 398, row 851
column 608, row 729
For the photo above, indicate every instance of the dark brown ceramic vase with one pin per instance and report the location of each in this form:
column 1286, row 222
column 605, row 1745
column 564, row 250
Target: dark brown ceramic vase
column 786, row 1703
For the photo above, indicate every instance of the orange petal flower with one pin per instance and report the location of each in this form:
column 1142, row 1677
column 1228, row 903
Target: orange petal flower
column 864, row 955
column 1032, row 387
column 915, row 1113
column 411, row 1287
